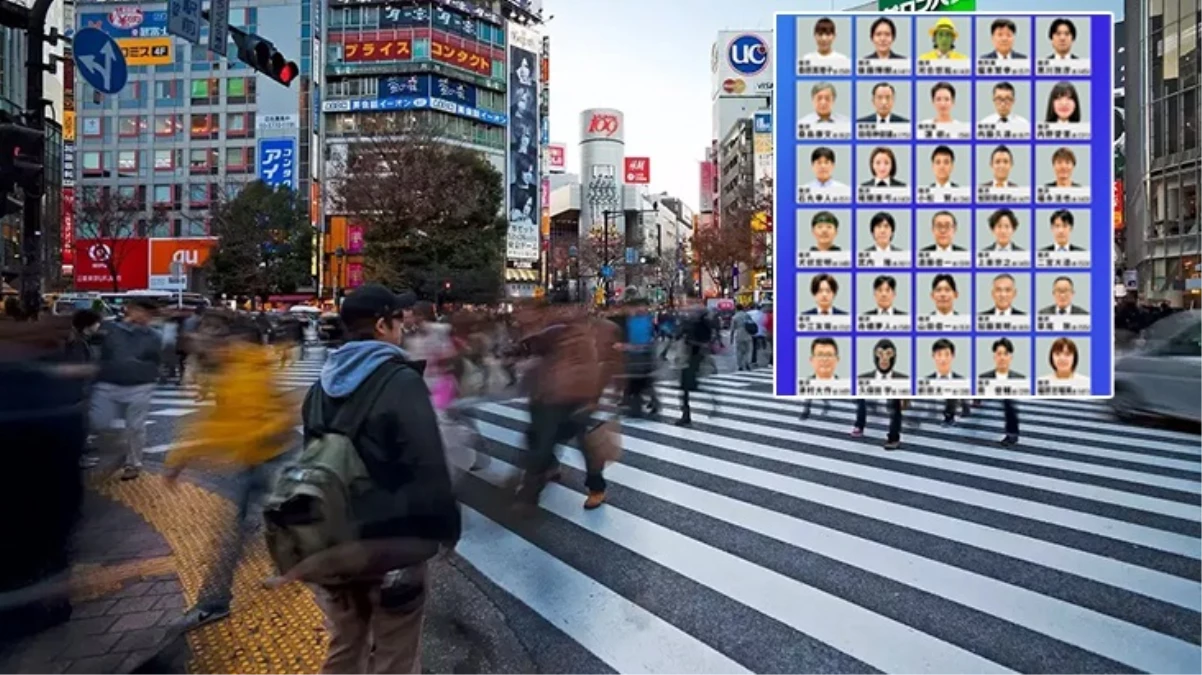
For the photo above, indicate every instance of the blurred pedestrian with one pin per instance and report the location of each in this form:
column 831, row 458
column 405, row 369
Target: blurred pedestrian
column 130, row 356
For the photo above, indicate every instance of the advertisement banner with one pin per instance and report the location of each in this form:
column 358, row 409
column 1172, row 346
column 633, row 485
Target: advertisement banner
column 128, row 21
column 67, row 231
column 453, row 22
column 741, row 64
column 557, row 157
column 147, row 51
column 427, row 85
column 1118, row 204
column 461, row 57
column 264, row 122
column 637, row 170
column 602, row 124
column 545, row 225
column 416, row 103
column 522, row 242
column 708, row 175
column 358, row 51
column 96, row 261
column 354, row 239
column 277, row 162
column 404, row 17
column 354, row 274
column 191, row 253
column 69, row 126
column 762, row 157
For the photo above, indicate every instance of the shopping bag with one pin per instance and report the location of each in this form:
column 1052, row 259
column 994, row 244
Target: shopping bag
column 604, row 442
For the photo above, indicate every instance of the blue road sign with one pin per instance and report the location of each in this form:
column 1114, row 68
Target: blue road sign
column 607, row 272
column 100, row 61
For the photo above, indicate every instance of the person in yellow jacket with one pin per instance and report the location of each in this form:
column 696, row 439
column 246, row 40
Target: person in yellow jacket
column 251, row 424
column 944, row 36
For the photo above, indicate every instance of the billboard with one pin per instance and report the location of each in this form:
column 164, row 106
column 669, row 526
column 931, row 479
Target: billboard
column 602, row 124
column 708, row 173
column 277, row 162
column 637, row 170
column 190, row 253
column 762, row 150
column 360, row 51
column 96, row 260
column 523, row 176
column 141, row 34
column 924, row 221
column 557, row 157
column 354, row 239
column 741, row 64
column 67, row 231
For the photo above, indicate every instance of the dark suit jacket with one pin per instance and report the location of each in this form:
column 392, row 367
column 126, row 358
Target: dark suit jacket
column 835, row 311
column 870, row 249
column 954, row 376
column 934, row 247
column 833, row 248
column 992, row 375
column 1009, row 183
column 892, row 55
column 1013, row 54
column 871, row 375
column 992, row 311
column 1071, row 247
column 950, row 185
column 1052, row 57
column 893, row 182
column 993, row 247
column 1053, row 184
column 893, row 117
column 876, row 311
column 1051, row 310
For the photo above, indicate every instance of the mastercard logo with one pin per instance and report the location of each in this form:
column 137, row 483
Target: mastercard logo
column 733, row 85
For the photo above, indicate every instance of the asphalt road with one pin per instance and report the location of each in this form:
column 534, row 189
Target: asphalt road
column 756, row 541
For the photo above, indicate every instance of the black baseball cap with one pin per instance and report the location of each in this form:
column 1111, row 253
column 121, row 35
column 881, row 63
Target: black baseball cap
column 374, row 301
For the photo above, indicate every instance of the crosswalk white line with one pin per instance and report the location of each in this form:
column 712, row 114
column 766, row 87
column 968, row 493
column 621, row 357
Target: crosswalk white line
column 1085, row 522
column 1150, row 583
column 883, row 643
column 625, row 636
column 172, row 412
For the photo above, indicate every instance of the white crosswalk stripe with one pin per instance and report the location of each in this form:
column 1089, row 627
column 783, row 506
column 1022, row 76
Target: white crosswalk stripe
column 173, row 400
column 759, row 541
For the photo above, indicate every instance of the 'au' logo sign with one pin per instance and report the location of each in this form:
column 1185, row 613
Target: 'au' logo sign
column 748, row 54
column 603, row 124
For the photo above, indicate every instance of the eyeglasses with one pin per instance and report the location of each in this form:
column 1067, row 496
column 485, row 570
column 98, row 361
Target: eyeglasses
column 1003, row 99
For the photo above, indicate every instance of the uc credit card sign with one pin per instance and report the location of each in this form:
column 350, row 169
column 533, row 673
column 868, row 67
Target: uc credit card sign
column 944, row 206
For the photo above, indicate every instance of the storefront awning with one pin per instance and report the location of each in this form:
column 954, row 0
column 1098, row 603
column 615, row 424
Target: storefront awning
column 521, row 276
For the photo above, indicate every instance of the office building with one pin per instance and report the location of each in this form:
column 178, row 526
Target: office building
column 1161, row 176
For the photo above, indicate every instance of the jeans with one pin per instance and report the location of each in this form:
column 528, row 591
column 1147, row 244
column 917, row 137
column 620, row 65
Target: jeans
column 249, row 485
column 551, row 424
column 111, row 402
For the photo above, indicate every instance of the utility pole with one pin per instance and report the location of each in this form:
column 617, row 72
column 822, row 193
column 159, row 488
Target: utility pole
column 33, row 21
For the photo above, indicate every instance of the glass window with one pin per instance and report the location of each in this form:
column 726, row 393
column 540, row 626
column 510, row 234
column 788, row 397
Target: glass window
column 198, row 193
column 235, row 157
column 163, row 194
column 235, row 122
column 127, row 160
column 1172, row 130
column 127, row 192
column 235, row 87
column 167, row 125
column 205, row 126
column 129, row 126
column 198, row 158
column 93, row 126
column 92, row 161
column 1189, row 124
column 164, row 159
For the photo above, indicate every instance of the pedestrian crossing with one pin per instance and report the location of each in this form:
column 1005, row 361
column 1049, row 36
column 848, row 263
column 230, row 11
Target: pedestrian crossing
column 758, row 541
column 174, row 400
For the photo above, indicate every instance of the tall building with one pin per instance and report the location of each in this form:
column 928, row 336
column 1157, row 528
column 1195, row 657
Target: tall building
column 448, row 61
column 1163, row 159
column 189, row 127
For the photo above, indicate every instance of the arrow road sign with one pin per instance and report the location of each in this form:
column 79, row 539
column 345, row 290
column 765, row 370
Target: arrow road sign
column 100, row 61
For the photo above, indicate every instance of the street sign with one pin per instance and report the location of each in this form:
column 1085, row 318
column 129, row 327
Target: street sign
column 632, row 255
column 219, row 26
column 183, row 19
column 607, row 271
column 99, row 60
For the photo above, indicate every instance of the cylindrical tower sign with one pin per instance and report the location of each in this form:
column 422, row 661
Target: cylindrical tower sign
column 602, row 151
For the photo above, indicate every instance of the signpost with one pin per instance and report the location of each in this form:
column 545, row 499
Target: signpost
column 183, row 19
column 100, row 61
column 219, row 26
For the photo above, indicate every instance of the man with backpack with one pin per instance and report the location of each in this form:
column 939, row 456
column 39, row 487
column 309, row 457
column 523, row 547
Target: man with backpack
column 638, row 342
column 374, row 471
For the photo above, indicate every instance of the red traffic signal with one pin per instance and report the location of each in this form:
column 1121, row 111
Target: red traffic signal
column 262, row 55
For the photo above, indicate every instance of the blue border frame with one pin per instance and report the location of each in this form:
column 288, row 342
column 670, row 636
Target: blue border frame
column 787, row 84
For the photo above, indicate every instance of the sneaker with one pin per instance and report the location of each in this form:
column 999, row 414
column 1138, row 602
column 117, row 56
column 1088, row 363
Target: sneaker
column 857, row 432
column 1009, row 440
column 130, row 473
column 892, row 445
column 948, row 422
column 197, row 617
column 594, row 500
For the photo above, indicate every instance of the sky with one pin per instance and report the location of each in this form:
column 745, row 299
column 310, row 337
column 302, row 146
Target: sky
column 650, row 59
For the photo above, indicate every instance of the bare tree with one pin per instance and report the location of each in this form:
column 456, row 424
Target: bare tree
column 112, row 219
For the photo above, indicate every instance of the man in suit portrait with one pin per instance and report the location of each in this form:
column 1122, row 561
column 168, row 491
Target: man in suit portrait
column 883, row 98
column 1002, row 33
column 882, row 227
column 884, row 291
column 824, row 358
column 824, row 288
column 1003, row 117
column 825, row 228
column 943, row 226
column 1003, row 223
column 1003, row 354
column 943, row 160
column 1062, row 33
column 884, row 356
column 1001, row 162
column 1064, row 161
column 943, row 352
column 1062, row 294
column 1004, row 291
column 1062, row 231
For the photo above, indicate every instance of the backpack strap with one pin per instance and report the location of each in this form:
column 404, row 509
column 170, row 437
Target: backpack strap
column 353, row 412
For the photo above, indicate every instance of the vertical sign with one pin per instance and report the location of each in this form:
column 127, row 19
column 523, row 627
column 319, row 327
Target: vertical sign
column 762, row 167
column 183, row 19
column 522, row 242
column 637, row 170
column 557, row 158
column 219, row 26
column 277, row 162
column 67, row 221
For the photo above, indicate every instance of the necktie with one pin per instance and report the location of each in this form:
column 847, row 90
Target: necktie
column 881, row 183
column 883, row 121
column 1063, row 311
column 1003, row 120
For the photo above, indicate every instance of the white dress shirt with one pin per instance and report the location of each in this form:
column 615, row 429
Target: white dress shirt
column 1013, row 123
column 999, row 375
column 831, row 184
column 944, row 249
column 1057, row 57
column 938, row 313
column 834, row 59
column 1003, row 249
column 835, row 120
column 943, row 186
column 1001, row 312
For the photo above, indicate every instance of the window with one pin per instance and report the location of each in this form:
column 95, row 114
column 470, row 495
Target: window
column 167, row 92
column 198, row 194
column 164, row 160
column 205, row 91
column 235, row 87
column 127, row 192
column 198, row 159
column 164, row 195
column 1190, row 125
column 127, row 163
column 167, row 125
column 93, row 127
column 129, row 126
column 205, row 126
column 93, row 163
column 132, row 96
column 236, row 125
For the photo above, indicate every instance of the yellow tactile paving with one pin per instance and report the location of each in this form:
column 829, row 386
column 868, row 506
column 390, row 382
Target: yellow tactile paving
column 90, row 580
column 276, row 631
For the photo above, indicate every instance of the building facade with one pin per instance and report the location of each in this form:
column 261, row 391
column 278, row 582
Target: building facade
column 187, row 130
column 1161, row 176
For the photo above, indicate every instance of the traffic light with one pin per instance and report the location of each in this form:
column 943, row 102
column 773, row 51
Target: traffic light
column 21, row 163
column 262, row 55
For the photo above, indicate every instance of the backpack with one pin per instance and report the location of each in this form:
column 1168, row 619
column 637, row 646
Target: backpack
column 750, row 327
column 311, row 507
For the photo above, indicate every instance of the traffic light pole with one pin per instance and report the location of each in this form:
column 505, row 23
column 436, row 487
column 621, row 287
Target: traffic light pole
column 35, row 110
